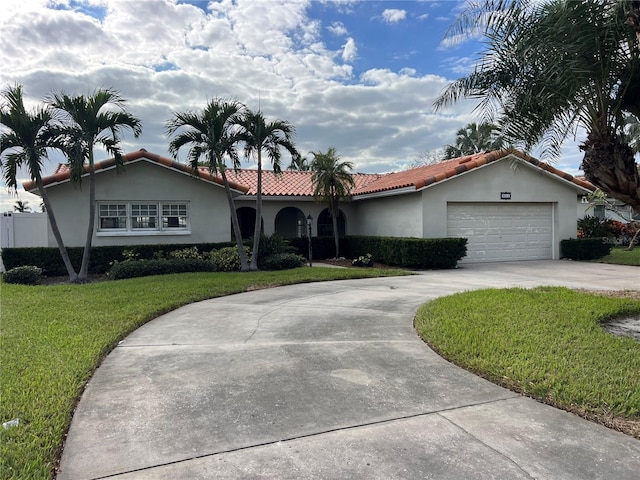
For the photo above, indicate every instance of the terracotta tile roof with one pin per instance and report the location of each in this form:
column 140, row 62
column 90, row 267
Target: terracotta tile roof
column 63, row 173
column 298, row 184
column 288, row 183
column 429, row 174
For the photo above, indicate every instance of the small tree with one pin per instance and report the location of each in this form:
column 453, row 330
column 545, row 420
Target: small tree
column 332, row 183
column 259, row 135
column 212, row 134
column 475, row 138
column 24, row 143
column 84, row 123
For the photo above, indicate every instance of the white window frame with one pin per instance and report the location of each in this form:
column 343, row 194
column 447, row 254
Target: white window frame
column 143, row 210
column 113, row 211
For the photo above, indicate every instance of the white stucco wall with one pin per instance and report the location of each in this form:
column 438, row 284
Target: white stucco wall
column 389, row 216
column 142, row 181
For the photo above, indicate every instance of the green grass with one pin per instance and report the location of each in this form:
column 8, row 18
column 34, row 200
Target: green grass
column 622, row 256
column 53, row 337
column 545, row 342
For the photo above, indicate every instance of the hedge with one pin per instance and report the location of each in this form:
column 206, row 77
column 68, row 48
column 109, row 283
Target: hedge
column 162, row 266
column 585, row 248
column 422, row 253
column 50, row 261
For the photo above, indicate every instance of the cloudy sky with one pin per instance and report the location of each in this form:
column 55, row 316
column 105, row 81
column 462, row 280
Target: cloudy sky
column 360, row 76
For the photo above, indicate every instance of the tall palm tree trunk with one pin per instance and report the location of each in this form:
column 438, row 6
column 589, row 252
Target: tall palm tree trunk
column 73, row 276
column 334, row 212
column 86, row 254
column 244, row 267
column 257, row 230
column 609, row 164
column 336, row 239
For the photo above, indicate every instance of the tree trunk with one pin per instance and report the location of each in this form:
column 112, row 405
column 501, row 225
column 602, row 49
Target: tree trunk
column 632, row 243
column 609, row 164
column 73, row 276
column 86, row 254
column 244, row 267
column 257, row 229
column 334, row 211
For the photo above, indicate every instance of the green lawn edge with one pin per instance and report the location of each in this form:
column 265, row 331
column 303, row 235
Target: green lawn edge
column 52, row 338
column 547, row 343
column 622, row 256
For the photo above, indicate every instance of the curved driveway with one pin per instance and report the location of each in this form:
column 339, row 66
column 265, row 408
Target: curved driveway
column 329, row 380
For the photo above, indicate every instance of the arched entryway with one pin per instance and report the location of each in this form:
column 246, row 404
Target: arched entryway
column 291, row 223
column 247, row 221
column 325, row 224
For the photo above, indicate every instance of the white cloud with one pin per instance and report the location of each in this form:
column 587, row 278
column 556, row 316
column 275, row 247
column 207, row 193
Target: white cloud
column 349, row 50
column 338, row 29
column 393, row 15
column 269, row 57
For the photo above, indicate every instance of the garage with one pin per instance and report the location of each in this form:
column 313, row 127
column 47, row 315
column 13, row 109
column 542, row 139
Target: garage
column 500, row 232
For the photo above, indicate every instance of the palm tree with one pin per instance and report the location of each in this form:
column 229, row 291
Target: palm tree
column 552, row 67
column 475, row 138
column 24, row 143
column 22, row 207
column 212, row 134
column 300, row 164
column 332, row 183
column 83, row 123
column 259, row 135
column 632, row 130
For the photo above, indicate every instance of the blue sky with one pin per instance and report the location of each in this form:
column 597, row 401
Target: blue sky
column 360, row 76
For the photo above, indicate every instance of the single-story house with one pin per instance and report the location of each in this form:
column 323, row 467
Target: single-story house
column 508, row 204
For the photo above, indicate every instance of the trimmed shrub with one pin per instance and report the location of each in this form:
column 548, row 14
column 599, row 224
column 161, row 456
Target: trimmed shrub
column 585, row 248
column 191, row 252
column 26, row 275
column 160, row 266
column 282, row 261
column 227, row 259
column 593, row 227
column 423, row 253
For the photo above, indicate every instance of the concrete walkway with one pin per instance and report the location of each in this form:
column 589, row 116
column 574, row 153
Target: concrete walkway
column 330, row 381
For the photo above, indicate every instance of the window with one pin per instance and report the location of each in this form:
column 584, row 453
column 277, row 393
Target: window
column 143, row 218
column 174, row 215
column 113, row 217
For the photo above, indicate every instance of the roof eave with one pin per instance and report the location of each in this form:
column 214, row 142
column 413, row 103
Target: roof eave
column 385, row 193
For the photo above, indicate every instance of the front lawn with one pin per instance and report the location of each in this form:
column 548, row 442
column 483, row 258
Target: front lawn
column 622, row 256
column 547, row 343
column 53, row 337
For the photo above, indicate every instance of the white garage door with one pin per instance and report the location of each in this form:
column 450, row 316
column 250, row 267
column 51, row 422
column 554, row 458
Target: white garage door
column 500, row 232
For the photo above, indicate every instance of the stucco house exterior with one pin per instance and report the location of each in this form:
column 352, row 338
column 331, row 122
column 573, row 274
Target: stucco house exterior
column 509, row 205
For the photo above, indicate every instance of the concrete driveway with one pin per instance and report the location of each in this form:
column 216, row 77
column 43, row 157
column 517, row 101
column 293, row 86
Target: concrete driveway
column 330, row 380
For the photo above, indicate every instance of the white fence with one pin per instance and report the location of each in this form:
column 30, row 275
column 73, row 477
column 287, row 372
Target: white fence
column 22, row 230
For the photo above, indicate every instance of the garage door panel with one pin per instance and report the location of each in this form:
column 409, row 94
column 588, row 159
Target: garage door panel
column 502, row 232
